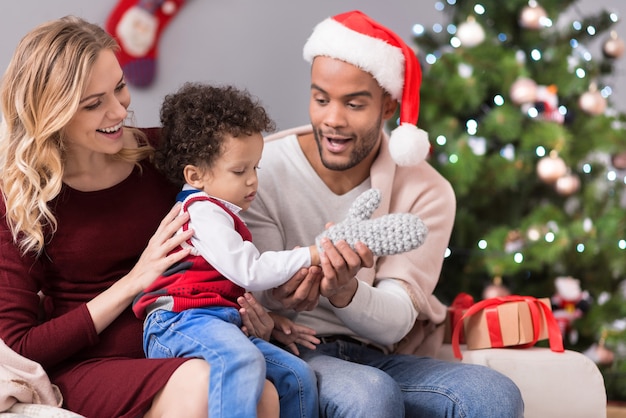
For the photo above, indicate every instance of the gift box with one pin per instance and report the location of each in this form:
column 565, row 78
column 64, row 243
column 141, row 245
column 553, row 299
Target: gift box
column 508, row 321
column 504, row 325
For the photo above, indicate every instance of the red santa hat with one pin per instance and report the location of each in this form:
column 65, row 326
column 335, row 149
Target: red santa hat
column 355, row 38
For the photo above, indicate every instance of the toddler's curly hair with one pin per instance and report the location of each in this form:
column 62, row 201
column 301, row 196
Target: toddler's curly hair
column 196, row 119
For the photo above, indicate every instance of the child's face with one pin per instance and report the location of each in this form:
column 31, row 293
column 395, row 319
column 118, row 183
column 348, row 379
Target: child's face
column 233, row 175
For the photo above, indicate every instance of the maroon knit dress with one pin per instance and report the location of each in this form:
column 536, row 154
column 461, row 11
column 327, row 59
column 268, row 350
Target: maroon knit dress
column 99, row 238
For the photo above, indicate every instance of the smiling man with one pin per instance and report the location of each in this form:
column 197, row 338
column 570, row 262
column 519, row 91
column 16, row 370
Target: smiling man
column 375, row 316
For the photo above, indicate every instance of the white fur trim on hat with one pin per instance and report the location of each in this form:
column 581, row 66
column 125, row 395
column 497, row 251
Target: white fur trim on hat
column 408, row 145
column 384, row 61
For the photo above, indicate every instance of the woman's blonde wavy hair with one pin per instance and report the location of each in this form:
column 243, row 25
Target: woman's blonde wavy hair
column 39, row 95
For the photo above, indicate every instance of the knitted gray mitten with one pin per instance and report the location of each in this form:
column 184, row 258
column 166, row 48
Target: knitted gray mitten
column 389, row 234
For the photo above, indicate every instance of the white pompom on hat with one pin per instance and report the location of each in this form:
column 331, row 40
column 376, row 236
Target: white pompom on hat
column 355, row 38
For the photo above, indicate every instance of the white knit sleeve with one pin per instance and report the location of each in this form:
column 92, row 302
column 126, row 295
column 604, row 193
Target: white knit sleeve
column 383, row 314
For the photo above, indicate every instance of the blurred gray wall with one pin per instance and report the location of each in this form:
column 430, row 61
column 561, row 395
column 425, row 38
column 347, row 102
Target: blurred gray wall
column 253, row 44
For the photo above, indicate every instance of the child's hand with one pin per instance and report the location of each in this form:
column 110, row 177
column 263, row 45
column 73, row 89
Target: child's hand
column 255, row 319
column 289, row 333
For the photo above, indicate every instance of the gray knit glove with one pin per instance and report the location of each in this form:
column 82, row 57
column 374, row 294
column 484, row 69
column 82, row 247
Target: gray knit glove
column 389, row 234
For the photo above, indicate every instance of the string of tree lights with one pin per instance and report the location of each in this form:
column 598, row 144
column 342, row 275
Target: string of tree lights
column 517, row 99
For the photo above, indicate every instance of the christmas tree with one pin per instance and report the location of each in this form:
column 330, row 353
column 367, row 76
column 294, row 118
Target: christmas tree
column 517, row 105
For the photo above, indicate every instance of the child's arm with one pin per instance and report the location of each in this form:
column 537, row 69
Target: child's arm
column 315, row 255
column 216, row 239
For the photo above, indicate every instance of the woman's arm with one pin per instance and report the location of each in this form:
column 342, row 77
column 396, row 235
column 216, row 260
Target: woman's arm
column 155, row 259
column 22, row 277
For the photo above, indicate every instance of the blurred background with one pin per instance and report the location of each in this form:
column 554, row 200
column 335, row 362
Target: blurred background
column 524, row 101
column 253, row 44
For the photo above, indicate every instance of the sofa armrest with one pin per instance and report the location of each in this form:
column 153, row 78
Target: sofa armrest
column 567, row 384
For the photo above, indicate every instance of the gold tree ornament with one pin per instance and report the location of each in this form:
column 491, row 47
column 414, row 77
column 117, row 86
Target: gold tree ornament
column 470, row 33
column 533, row 16
column 496, row 289
column 551, row 168
column 592, row 102
column 618, row 160
column 567, row 185
column 614, row 46
column 514, row 242
column 523, row 90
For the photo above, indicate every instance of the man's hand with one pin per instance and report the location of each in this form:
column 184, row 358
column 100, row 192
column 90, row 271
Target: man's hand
column 289, row 333
column 340, row 264
column 302, row 291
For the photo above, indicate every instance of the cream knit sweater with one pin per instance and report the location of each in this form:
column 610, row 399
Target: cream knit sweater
column 293, row 205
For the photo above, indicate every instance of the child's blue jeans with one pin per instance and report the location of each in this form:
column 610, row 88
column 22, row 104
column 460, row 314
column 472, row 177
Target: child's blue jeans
column 239, row 365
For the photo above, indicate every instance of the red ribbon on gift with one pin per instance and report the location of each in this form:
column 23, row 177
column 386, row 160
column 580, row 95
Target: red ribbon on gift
column 461, row 302
column 490, row 306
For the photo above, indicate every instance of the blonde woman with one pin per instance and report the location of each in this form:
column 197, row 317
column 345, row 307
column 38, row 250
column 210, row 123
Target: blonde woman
column 85, row 225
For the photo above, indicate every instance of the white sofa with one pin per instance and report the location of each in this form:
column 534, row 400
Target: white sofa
column 553, row 385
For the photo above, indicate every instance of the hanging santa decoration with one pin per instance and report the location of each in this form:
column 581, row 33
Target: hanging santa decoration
column 547, row 103
column 569, row 303
column 137, row 26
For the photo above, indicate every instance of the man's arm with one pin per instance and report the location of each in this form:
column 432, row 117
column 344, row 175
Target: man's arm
column 383, row 313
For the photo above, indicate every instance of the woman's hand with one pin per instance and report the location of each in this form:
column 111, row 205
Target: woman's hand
column 256, row 321
column 156, row 258
column 289, row 333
